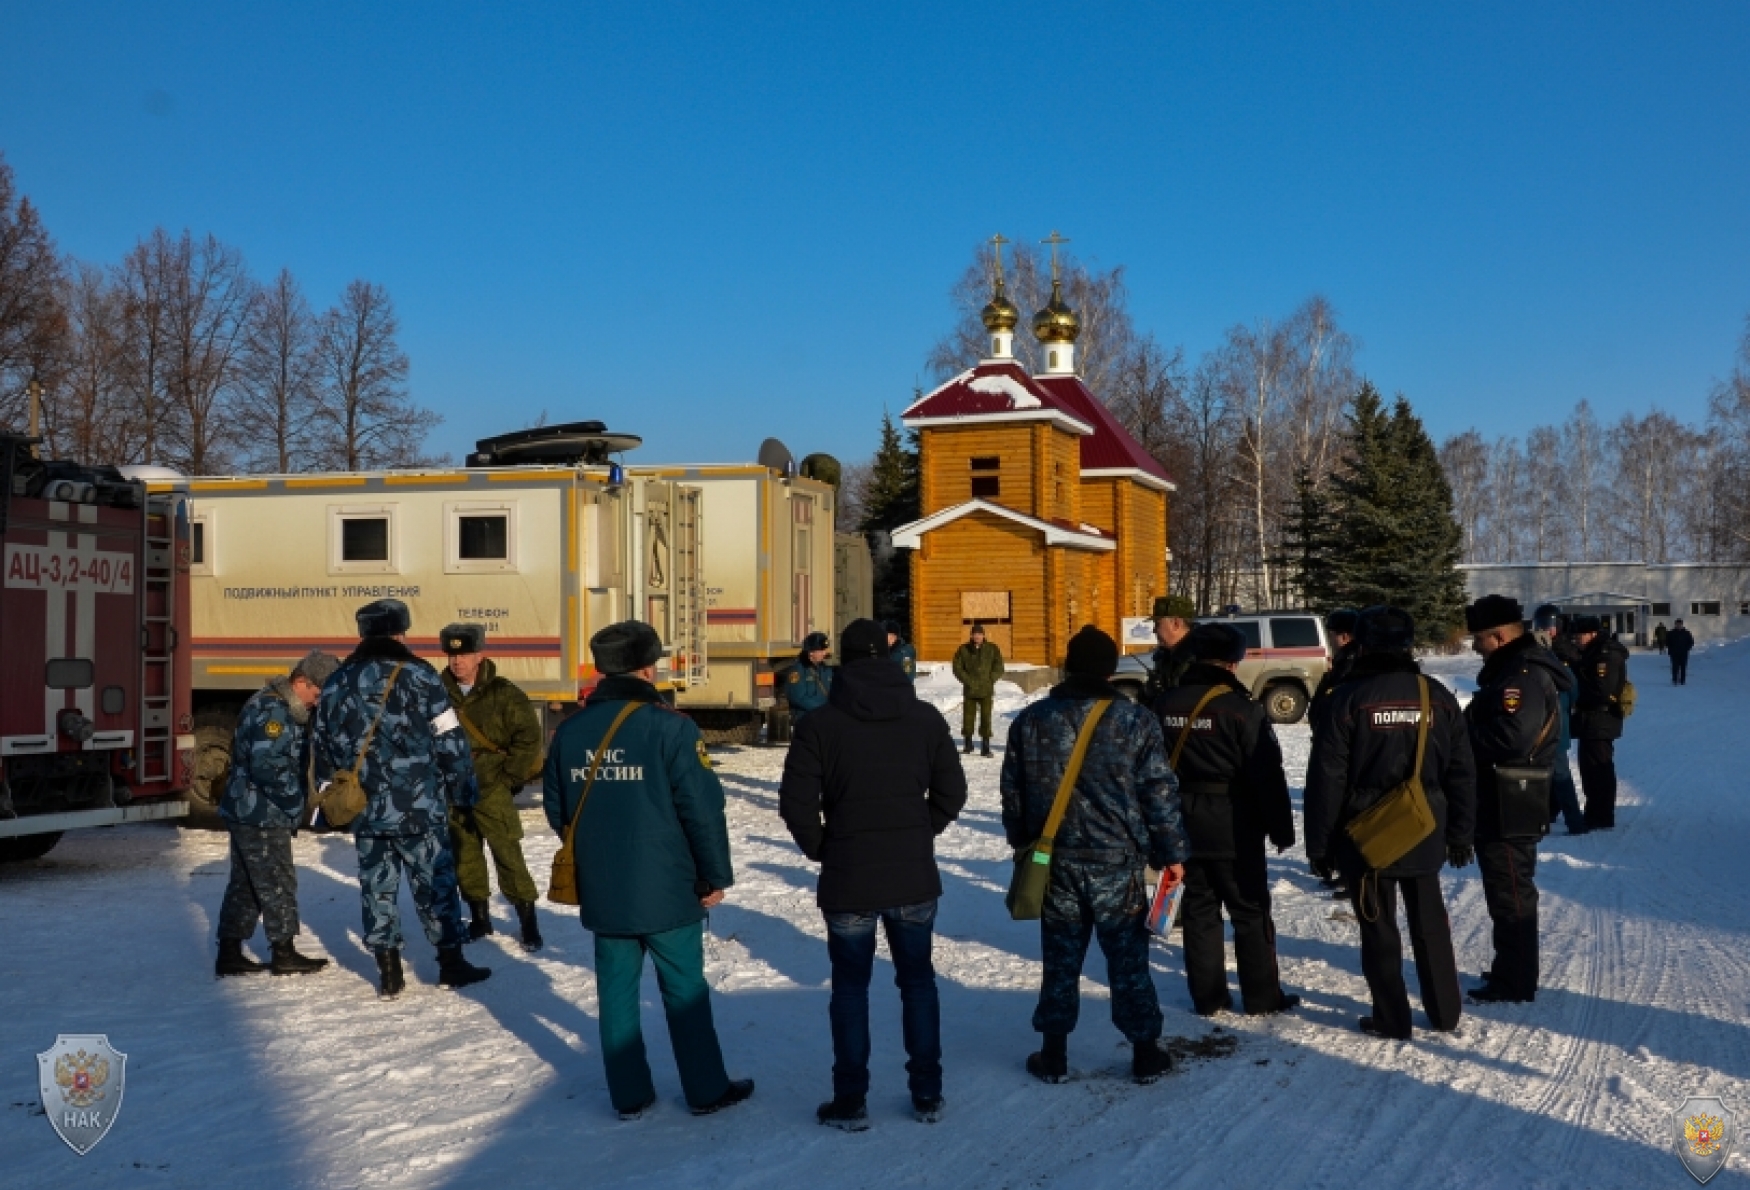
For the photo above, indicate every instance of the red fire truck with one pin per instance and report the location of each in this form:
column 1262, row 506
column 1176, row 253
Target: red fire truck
column 95, row 724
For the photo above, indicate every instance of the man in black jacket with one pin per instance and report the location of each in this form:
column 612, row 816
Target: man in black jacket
column 1514, row 720
column 1233, row 793
column 1370, row 747
column 871, row 779
column 1679, row 641
column 1172, row 616
column 1597, row 717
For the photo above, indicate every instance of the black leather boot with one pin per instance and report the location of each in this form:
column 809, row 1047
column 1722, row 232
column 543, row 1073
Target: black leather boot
column 967, row 750
column 482, row 923
column 454, row 971
column 233, row 960
column 1051, row 1063
column 525, row 912
column 1148, row 1061
column 390, row 979
column 287, row 960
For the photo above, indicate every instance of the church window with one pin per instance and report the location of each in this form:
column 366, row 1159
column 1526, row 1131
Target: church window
column 1053, row 359
column 987, row 486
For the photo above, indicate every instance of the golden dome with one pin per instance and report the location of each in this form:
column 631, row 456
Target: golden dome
column 1000, row 314
column 1057, row 323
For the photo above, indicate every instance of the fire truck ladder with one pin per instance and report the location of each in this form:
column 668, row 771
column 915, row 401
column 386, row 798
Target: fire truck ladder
column 158, row 644
column 689, row 582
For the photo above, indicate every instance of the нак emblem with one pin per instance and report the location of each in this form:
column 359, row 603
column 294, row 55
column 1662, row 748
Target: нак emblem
column 1704, row 1137
column 81, row 1078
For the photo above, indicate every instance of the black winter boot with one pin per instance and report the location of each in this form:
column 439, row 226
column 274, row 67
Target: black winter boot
column 454, row 971
column 287, row 960
column 1149, row 1060
column 233, row 960
column 967, row 750
column 845, row 1112
column 739, row 1090
column 525, row 912
column 985, row 751
column 927, row 1109
column 390, row 981
column 482, row 923
column 1051, row 1063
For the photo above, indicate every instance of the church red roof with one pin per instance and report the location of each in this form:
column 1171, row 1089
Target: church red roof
column 993, row 390
column 1110, row 446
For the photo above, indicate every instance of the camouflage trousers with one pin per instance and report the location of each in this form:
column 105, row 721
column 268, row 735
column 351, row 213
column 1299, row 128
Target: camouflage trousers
column 264, row 884
column 431, row 871
column 1104, row 899
column 975, row 712
column 496, row 825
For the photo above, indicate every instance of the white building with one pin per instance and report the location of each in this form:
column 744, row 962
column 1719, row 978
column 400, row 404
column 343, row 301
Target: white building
column 1712, row 601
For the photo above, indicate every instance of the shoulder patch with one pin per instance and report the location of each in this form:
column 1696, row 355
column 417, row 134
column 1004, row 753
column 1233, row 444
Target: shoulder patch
column 1602, row 668
column 273, row 729
column 704, row 756
column 1510, row 698
column 796, row 676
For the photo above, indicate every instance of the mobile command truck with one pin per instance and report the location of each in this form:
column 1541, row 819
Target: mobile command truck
column 542, row 554
column 95, row 719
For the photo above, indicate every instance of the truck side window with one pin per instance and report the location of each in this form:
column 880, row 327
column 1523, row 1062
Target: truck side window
column 1297, row 632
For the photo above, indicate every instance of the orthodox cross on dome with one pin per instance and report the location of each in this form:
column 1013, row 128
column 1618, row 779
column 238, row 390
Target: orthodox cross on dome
column 1054, row 240
column 997, row 242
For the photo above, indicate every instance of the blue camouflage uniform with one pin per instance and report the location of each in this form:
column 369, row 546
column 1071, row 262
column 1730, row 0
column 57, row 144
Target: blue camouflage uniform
column 262, row 807
column 417, row 767
column 807, row 687
column 1124, row 815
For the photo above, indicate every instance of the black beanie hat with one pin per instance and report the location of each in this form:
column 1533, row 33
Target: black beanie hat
column 1493, row 611
column 1092, row 654
column 624, row 647
column 893, row 628
column 1382, row 629
column 385, row 617
column 1342, row 620
column 1214, row 641
column 862, row 638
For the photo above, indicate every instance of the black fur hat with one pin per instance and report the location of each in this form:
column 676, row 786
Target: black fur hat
column 1386, row 630
column 893, row 628
column 463, row 638
column 1493, row 611
column 863, row 638
column 1091, row 654
column 1342, row 620
column 624, row 647
column 1213, row 641
column 1583, row 624
column 816, row 640
column 385, row 617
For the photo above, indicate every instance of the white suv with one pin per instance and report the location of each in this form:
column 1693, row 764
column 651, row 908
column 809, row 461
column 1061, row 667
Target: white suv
column 1286, row 655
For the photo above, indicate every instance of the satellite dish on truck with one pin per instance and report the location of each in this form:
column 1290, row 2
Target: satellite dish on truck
column 577, row 443
column 777, row 456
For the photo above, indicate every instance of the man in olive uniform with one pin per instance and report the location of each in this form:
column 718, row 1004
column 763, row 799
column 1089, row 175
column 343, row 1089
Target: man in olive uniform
column 1597, row 717
column 1172, row 615
column 506, row 741
column 901, row 650
column 263, row 806
column 652, row 851
column 810, row 679
column 1513, row 721
column 978, row 666
column 1234, row 794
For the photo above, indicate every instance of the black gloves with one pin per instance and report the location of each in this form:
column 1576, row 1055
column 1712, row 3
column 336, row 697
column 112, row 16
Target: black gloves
column 1459, row 855
column 1321, row 867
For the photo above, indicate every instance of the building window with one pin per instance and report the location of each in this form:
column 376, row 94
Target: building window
column 987, row 463
column 1706, row 607
column 479, row 537
column 200, row 543
column 1661, row 609
column 987, row 486
column 1053, row 362
column 362, row 539
column 1744, row 608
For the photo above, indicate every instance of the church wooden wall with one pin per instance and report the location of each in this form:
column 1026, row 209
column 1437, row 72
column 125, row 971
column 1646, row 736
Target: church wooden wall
column 980, row 552
column 1037, row 477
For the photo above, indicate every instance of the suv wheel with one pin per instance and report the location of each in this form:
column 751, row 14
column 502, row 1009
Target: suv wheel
column 1285, row 702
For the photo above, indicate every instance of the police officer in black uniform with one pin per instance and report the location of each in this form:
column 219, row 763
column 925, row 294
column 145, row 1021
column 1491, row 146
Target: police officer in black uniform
column 1369, row 748
column 1340, row 628
column 1234, row 795
column 1514, row 721
column 1597, row 717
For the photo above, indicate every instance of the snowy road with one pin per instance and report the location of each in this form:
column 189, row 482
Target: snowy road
column 313, row 1082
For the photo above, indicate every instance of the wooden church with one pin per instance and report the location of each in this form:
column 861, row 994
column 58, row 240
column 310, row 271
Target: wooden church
column 1040, row 512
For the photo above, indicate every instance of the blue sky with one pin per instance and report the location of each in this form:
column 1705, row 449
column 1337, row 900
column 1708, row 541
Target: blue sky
column 708, row 224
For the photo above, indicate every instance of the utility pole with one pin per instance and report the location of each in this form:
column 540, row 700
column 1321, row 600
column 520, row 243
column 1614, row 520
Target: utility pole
column 36, row 414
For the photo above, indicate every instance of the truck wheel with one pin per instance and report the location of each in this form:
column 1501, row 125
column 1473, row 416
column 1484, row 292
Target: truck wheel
column 741, row 728
column 1285, row 702
column 20, row 848
column 213, row 729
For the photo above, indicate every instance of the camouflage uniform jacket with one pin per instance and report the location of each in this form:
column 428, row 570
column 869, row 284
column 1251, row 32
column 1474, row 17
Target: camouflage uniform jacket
column 1126, row 799
column 979, row 670
column 498, row 709
column 268, row 786
column 419, row 763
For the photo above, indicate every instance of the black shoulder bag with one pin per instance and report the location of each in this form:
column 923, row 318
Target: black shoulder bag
column 1524, row 793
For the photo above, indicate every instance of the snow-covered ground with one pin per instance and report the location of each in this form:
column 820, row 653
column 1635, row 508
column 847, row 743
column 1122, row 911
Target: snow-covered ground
column 313, row 1082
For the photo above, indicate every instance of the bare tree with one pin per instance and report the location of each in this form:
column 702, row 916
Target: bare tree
column 1466, row 460
column 1506, row 492
column 279, row 378
column 90, row 420
column 1727, row 526
column 210, row 296
column 1583, row 457
column 365, row 418
column 144, row 288
column 1320, row 378
column 1547, row 517
column 1147, row 395
column 1208, row 511
column 31, row 319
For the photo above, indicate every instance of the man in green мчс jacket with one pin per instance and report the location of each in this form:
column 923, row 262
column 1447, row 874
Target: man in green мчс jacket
column 652, row 852
column 505, row 738
column 978, row 666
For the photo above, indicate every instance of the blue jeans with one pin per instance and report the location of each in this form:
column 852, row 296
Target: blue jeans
column 850, row 944
column 1566, row 796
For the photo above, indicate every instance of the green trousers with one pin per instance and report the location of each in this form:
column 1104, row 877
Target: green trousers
column 679, row 958
column 500, row 827
column 976, row 711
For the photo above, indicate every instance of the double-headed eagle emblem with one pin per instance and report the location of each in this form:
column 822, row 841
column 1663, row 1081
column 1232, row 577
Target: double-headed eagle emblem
column 1703, row 1134
column 81, row 1077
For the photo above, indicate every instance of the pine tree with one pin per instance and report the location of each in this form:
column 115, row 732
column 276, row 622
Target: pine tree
column 892, row 499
